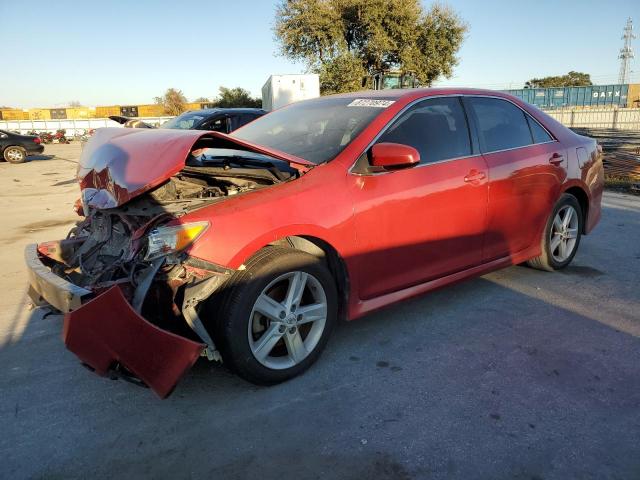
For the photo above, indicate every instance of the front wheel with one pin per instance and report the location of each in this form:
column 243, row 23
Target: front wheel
column 561, row 236
column 277, row 316
column 15, row 154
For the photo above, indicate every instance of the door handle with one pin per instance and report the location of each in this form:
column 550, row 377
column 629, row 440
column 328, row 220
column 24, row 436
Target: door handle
column 474, row 176
column 556, row 159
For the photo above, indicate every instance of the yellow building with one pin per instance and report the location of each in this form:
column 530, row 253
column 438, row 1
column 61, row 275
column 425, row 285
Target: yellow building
column 104, row 112
column 14, row 114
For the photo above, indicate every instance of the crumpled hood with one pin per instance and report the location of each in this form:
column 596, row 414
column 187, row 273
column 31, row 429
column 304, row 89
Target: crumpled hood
column 118, row 164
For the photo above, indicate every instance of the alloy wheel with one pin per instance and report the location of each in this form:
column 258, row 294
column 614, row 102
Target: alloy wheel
column 564, row 233
column 287, row 320
column 15, row 155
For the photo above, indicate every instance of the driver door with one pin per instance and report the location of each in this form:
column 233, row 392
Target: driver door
column 421, row 223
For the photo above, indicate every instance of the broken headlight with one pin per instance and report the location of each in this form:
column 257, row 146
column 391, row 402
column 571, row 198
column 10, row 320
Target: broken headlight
column 165, row 240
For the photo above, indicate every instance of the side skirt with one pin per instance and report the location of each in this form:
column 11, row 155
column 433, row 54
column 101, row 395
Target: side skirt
column 363, row 307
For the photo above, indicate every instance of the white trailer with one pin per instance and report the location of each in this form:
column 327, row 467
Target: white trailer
column 281, row 90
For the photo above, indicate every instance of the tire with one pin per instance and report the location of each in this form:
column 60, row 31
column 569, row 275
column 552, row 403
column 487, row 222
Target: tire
column 15, row 154
column 557, row 233
column 263, row 349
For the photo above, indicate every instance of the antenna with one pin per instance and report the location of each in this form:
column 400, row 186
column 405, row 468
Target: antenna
column 626, row 52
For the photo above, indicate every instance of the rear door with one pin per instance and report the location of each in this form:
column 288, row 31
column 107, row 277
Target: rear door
column 526, row 169
column 424, row 222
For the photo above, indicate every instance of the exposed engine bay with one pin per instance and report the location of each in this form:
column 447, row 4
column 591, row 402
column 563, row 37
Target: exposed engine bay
column 109, row 245
column 127, row 245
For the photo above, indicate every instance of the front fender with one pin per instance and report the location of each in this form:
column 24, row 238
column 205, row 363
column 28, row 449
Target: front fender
column 234, row 255
column 318, row 205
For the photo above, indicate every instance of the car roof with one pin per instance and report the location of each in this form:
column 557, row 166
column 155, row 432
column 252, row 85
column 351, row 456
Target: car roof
column 398, row 93
column 211, row 111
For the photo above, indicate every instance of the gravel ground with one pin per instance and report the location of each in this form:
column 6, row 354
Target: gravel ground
column 519, row 374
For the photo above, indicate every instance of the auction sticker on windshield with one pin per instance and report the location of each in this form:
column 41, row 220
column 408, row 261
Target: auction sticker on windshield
column 367, row 102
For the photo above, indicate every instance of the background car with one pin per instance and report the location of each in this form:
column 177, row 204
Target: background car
column 223, row 120
column 14, row 148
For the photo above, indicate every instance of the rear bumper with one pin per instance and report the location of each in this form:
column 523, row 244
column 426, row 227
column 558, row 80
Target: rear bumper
column 35, row 150
column 106, row 330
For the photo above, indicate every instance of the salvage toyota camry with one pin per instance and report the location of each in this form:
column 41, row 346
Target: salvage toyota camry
column 247, row 248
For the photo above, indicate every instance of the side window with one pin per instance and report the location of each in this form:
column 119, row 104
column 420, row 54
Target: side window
column 217, row 125
column 233, row 122
column 436, row 127
column 501, row 125
column 540, row 135
column 246, row 118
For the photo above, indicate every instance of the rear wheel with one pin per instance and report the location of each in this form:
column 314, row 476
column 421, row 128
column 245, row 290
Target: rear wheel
column 15, row 154
column 277, row 316
column 561, row 236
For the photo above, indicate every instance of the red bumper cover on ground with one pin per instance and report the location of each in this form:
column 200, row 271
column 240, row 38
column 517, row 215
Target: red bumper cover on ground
column 107, row 329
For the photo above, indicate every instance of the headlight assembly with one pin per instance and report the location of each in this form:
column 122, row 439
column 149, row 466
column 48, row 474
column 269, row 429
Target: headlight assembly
column 165, row 240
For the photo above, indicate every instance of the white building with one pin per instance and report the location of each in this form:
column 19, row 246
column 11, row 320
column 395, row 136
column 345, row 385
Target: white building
column 281, row 90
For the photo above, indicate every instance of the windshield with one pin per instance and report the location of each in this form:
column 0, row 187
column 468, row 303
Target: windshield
column 186, row 121
column 316, row 130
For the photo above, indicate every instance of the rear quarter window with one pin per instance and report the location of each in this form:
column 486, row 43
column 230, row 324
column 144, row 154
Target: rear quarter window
column 540, row 135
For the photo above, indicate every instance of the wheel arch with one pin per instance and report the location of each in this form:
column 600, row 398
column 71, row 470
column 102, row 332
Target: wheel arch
column 329, row 255
column 6, row 147
column 583, row 199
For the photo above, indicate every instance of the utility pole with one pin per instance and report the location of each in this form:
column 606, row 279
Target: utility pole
column 626, row 52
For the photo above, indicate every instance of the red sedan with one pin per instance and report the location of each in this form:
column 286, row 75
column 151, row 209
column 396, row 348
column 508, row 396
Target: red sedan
column 247, row 248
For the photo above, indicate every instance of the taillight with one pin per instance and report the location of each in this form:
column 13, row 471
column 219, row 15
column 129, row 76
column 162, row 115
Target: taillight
column 37, row 140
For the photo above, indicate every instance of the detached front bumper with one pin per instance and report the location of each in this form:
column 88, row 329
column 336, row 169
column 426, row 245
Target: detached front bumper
column 46, row 287
column 106, row 330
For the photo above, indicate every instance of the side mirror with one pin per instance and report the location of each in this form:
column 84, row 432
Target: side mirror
column 394, row 156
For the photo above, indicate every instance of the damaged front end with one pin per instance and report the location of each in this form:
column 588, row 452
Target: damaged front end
column 130, row 292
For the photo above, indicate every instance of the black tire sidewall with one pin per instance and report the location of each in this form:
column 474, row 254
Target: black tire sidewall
column 237, row 306
column 566, row 199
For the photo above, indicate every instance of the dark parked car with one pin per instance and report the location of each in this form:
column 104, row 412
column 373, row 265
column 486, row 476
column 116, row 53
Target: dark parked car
column 15, row 147
column 224, row 120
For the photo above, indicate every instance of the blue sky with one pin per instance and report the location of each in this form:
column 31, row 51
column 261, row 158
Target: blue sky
column 127, row 52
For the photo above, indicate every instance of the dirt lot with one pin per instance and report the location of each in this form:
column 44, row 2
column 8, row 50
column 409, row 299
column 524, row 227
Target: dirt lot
column 518, row 374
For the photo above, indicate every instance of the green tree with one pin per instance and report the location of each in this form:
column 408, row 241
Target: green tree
column 75, row 103
column 342, row 74
column 236, row 97
column 344, row 40
column 571, row 79
column 173, row 101
column 201, row 100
